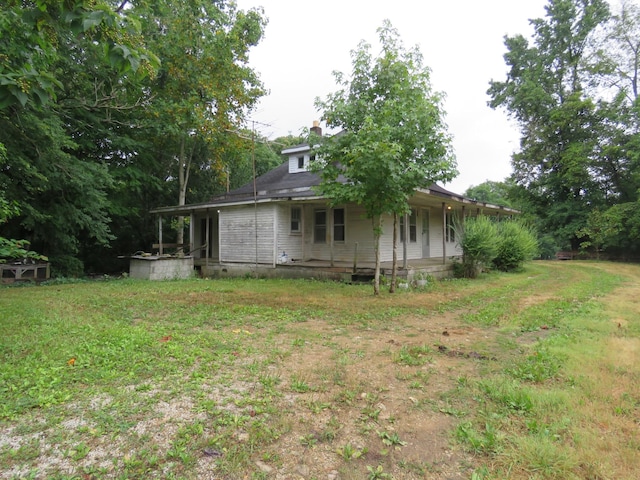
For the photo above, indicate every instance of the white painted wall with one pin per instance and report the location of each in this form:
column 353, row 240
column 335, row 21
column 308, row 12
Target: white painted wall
column 289, row 242
column 238, row 234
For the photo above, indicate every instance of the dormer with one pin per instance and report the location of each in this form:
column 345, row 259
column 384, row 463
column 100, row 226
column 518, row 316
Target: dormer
column 300, row 155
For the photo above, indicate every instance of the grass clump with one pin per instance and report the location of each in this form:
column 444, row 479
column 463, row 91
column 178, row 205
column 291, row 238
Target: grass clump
column 537, row 367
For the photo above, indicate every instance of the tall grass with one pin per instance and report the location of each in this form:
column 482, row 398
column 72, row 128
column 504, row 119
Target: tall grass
column 555, row 405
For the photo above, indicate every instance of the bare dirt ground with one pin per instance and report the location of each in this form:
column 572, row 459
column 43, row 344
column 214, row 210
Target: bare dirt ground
column 407, row 400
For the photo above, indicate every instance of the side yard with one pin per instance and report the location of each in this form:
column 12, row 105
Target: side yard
column 528, row 375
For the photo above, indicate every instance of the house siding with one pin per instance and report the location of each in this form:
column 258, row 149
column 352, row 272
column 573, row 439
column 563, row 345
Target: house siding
column 436, row 232
column 238, row 237
column 289, row 242
column 414, row 249
column 238, row 234
column 357, row 230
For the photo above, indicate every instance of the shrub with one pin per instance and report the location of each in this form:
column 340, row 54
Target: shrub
column 478, row 239
column 516, row 244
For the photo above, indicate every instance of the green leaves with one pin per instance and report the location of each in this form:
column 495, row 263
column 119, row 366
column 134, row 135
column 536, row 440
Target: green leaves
column 394, row 138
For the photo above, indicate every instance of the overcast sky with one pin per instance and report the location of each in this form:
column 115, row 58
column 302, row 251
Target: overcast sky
column 461, row 41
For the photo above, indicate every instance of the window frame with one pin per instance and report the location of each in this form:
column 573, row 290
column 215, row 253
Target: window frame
column 450, row 233
column 318, row 228
column 413, row 227
column 292, row 209
column 342, row 226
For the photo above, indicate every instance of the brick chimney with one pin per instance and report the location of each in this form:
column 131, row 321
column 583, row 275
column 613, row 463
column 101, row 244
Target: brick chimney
column 316, row 128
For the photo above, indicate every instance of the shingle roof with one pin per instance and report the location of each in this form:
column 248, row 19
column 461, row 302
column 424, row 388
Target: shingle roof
column 276, row 183
column 279, row 183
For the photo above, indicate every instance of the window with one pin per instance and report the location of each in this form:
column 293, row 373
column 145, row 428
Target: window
column 338, row 225
column 449, row 228
column 320, row 226
column 413, row 230
column 296, row 219
column 300, row 162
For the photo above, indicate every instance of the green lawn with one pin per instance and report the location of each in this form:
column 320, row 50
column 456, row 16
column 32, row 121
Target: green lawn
column 528, row 375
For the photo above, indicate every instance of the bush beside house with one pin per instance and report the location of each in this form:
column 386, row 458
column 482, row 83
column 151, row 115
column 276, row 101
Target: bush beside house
column 487, row 244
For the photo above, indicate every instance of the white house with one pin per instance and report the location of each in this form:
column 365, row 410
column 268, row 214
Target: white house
column 279, row 225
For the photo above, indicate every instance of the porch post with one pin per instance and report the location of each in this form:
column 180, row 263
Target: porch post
column 160, row 233
column 329, row 223
column 463, row 223
column 303, row 212
column 444, row 233
column 207, row 240
column 219, row 233
column 192, row 231
column 275, row 236
column 404, row 244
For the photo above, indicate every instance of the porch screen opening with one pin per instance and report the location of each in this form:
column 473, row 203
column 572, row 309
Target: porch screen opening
column 296, row 219
column 413, row 229
column 338, row 225
column 320, row 226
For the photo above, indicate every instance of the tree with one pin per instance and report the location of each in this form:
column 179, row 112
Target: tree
column 59, row 135
column 544, row 91
column 496, row 193
column 204, row 89
column 394, row 138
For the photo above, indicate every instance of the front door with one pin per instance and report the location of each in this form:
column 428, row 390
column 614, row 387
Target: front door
column 426, row 253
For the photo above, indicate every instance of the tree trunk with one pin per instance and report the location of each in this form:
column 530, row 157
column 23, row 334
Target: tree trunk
column 376, row 247
column 394, row 275
column 184, row 166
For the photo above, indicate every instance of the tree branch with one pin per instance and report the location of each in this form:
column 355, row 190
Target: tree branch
column 122, row 5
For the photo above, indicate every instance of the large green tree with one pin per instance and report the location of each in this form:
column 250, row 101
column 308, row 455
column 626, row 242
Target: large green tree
column 394, row 138
column 496, row 193
column 94, row 138
column 204, row 89
column 545, row 92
